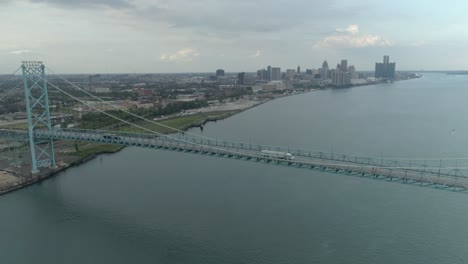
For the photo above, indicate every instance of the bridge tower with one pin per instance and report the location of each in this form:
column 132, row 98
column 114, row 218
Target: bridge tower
column 37, row 107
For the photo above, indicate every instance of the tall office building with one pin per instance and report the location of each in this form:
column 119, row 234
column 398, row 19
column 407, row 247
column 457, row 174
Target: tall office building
column 290, row 73
column 325, row 64
column 298, row 69
column 379, row 70
column 340, row 78
column 352, row 71
column 241, row 78
column 263, row 75
column 260, row 74
column 266, row 75
column 390, row 70
column 269, row 73
column 344, row 65
column 385, row 70
column 220, row 73
column 324, row 71
column 275, row 74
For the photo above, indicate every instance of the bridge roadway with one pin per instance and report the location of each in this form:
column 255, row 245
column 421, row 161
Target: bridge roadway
column 408, row 172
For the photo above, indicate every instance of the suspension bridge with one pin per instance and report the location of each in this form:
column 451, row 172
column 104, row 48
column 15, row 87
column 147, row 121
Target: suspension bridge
column 444, row 174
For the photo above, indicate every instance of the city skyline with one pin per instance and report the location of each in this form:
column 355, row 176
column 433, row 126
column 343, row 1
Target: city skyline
column 141, row 36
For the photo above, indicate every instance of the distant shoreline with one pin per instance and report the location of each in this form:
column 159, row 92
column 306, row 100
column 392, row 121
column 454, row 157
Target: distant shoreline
column 457, row 73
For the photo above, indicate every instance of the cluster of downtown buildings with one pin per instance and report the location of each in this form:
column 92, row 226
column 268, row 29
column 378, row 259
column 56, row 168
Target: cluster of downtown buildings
column 341, row 76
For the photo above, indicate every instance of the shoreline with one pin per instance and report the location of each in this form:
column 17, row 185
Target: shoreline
column 28, row 180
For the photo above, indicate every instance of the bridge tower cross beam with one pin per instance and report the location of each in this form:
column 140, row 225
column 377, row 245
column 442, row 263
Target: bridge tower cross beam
column 37, row 108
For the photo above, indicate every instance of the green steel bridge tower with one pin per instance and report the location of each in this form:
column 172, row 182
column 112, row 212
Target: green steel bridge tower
column 37, row 107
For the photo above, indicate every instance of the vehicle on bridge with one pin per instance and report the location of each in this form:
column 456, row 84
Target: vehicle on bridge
column 277, row 154
column 111, row 137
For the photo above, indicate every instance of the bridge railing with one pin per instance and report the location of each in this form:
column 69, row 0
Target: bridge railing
column 443, row 167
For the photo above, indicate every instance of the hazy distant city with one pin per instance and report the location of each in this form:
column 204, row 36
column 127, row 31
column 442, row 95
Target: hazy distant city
column 160, row 90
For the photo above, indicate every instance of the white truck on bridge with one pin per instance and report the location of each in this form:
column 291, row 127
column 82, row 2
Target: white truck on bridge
column 277, row 154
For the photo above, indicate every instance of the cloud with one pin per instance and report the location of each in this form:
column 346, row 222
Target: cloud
column 361, row 41
column 419, row 43
column 211, row 15
column 20, row 52
column 257, row 54
column 351, row 37
column 187, row 54
column 352, row 29
column 86, row 3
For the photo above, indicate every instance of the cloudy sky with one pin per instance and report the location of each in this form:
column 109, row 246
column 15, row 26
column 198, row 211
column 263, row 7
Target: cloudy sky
column 74, row 36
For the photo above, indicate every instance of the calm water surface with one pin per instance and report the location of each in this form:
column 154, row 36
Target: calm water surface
column 147, row 206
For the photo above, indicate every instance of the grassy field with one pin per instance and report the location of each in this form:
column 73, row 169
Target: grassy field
column 86, row 150
column 22, row 126
column 182, row 123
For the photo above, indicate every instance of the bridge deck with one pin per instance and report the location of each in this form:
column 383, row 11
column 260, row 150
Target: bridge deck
column 392, row 170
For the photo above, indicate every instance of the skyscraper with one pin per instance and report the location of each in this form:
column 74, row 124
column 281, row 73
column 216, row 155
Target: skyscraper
column 344, row 65
column 290, row 73
column 260, row 74
column 352, row 71
column 275, row 74
column 269, row 73
column 340, row 78
column 325, row 64
column 263, row 75
column 241, row 78
column 390, row 70
column 385, row 70
column 298, row 69
column 219, row 73
column 324, row 71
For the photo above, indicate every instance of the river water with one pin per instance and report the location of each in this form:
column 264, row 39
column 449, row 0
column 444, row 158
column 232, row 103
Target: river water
column 150, row 206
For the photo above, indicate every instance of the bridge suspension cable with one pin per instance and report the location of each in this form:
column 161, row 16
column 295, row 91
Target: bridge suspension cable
column 7, row 93
column 110, row 115
column 128, row 112
column 9, row 76
column 149, row 130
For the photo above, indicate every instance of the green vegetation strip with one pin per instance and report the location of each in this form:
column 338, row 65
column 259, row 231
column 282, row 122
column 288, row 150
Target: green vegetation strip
column 88, row 150
column 182, row 123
